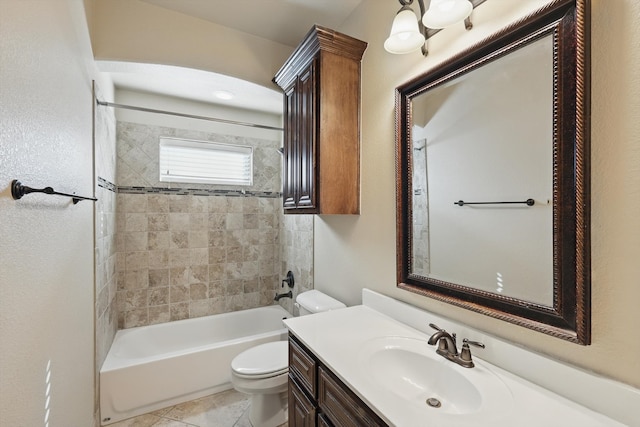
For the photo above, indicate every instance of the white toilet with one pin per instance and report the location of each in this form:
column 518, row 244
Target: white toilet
column 262, row 371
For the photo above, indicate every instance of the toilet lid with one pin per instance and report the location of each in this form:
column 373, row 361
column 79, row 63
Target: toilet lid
column 263, row 359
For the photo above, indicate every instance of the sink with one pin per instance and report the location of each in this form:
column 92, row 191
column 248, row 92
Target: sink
column 410, row 370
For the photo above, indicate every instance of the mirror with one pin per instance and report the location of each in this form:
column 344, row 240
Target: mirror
column 493, row 176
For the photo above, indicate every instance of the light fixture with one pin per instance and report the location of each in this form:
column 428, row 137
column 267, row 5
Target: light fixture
column 443, row 13
column 409, row 34
column 406, row 35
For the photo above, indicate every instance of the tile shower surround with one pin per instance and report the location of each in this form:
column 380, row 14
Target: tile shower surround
column 194, row 251
column 183, row 256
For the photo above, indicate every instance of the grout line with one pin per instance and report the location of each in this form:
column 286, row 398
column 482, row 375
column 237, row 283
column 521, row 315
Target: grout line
column 241, row 416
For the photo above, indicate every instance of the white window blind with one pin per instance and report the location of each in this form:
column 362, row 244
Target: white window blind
column 183, row 160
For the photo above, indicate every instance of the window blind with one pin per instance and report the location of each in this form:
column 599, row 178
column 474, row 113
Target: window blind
column 183, row 160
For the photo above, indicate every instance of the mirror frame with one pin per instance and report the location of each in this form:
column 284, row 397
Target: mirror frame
column 569, row 318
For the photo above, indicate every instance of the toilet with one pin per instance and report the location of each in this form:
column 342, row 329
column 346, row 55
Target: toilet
column 262, row 371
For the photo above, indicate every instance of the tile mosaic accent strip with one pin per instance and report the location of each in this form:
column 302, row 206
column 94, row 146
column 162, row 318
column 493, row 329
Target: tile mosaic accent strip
column 197, row 192
column 107, row 184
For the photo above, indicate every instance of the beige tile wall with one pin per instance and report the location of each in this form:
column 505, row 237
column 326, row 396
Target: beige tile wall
column 296, row 254
column 138, row 154
column 198, row 253
column 184, row 256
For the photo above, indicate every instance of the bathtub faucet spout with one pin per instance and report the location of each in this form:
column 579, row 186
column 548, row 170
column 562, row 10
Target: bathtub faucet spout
column 284, row 295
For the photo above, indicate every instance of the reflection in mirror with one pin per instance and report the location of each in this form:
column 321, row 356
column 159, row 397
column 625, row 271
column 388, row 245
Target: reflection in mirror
column 502, row 122
column 492, row 168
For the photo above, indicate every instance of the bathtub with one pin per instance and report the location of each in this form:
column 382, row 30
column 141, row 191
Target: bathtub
column 152, row 367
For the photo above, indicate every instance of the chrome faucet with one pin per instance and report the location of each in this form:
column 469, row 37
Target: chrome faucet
column 448, row 349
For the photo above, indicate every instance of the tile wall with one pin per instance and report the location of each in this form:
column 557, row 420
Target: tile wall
column 296, row 254
column 184, row 256
column 192, row 250
column 420, row 249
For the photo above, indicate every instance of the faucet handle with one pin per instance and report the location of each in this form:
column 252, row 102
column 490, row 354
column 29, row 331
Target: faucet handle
column 437, row 328
column 465, row 352
column 475, row 343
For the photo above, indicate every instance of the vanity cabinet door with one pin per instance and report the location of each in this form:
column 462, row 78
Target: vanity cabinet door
column 340, row 405
column 323, row 421
column 302, row 411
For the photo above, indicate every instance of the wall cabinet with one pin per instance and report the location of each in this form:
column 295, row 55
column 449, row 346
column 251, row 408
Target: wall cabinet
column 321, row 161
column 318, row 398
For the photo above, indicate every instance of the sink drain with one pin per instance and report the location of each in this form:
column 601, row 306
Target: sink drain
column 433, row 402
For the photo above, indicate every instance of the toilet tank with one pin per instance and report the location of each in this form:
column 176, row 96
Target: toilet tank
column 314, row 301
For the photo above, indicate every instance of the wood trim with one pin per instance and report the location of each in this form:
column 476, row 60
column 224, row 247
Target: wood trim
column 569, row 318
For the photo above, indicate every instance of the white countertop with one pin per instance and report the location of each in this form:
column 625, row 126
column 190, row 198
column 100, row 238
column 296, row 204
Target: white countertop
column 336, row 338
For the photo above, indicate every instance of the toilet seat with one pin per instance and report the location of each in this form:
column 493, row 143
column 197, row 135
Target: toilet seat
column 263, row 361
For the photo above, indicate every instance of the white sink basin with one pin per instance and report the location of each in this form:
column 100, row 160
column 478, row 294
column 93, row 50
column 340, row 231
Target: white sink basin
column 410, row 370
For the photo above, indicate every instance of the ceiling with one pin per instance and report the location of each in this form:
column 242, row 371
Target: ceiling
column 191, row 84
column 281, row 21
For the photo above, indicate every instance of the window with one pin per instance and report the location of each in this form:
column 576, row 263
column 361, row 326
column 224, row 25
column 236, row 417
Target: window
column 204, row 162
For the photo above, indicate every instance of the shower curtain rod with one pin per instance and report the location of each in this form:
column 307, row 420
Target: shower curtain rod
column 189, row 116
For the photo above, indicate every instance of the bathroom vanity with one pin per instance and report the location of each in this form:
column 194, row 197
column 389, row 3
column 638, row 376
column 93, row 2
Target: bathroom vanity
column 371, row 365
column 314, row 391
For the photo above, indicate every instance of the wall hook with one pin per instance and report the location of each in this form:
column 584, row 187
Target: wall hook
column 18, row 190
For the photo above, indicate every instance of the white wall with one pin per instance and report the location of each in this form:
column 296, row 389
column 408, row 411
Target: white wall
column 356, row 252
column 46, row 249
column 125, row 30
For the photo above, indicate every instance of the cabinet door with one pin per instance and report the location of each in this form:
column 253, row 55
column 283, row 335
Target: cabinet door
column 307, row 136
column 323, row 421
column 289, row 162
column 302, row 412
column 341, row 406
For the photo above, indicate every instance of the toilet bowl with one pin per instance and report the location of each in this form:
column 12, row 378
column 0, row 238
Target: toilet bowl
column 262, row 371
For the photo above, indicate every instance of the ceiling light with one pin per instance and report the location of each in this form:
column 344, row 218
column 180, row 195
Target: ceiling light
column 223, row 94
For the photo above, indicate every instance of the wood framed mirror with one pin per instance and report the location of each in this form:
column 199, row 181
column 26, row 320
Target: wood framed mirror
column 492, row 163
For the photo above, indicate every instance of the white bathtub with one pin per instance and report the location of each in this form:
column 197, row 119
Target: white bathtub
column 152, row 367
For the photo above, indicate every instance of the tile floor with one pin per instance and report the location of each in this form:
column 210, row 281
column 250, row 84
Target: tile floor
column 227, row 409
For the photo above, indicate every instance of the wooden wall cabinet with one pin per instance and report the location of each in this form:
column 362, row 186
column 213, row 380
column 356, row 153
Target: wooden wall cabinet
column 318, row 398
column 321, row 161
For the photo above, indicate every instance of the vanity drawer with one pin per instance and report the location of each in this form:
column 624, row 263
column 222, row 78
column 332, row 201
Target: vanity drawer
column 302, row 366
column 340, row 405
